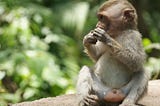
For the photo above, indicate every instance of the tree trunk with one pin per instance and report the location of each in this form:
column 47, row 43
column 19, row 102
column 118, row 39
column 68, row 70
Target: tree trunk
column 152, row 98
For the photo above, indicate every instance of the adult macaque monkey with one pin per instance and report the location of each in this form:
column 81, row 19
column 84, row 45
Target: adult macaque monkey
column 118, row 76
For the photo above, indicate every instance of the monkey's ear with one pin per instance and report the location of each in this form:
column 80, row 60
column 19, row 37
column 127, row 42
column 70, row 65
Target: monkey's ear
column 129, row 15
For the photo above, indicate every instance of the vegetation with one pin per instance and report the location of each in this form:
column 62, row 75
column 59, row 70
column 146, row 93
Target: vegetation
column 41, row 48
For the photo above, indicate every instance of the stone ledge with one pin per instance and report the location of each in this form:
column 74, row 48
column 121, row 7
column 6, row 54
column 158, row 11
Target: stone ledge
column 152, row 98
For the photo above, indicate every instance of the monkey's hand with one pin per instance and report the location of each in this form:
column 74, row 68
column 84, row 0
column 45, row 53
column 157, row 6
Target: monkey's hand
column 90, row 100
column 89, row 39
column 102, row 36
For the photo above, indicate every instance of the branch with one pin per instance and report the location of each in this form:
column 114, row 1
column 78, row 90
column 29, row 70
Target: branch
column 152, row 98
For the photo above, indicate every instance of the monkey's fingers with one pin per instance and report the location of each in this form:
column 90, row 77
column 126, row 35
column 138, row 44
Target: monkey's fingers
column 91, row 31
column 93, row 97
column 91, row 100
column 85, row 103
column 89, row 39
column 96, row 34
column 100, row 31
column 99, row 36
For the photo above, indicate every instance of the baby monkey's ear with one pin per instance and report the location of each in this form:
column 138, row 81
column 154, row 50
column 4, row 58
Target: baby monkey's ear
column 128, row 15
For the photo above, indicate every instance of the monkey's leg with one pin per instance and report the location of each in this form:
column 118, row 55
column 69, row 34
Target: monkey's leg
column 136, row 87
column 84, row 88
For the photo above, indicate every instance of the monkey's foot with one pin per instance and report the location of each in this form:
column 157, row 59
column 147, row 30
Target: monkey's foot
column 90, row 100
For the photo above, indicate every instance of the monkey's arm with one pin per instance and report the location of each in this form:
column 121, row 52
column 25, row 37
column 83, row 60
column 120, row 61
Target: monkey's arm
column 130, row 52
column 91, row 51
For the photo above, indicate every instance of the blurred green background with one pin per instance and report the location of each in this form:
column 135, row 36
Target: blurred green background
column 41, row 49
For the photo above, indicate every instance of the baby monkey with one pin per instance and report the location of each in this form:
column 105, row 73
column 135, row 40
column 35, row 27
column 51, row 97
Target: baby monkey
column 118, row 77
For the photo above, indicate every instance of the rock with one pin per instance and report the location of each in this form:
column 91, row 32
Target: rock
column 152, row 98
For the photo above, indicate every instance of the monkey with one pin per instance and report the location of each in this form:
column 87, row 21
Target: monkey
column 118, row 77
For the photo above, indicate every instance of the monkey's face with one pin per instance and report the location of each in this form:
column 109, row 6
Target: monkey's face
column 115, row 18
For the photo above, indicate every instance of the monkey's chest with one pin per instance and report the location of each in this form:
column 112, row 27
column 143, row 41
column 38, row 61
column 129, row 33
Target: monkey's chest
column 112, row 72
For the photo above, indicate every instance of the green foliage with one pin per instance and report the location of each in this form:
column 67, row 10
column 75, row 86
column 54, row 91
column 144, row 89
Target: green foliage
column 153, row 62
column 41, row 46
column 37, row 59
column 152, row 20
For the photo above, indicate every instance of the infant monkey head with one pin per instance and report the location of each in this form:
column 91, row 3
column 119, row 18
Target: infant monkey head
column 114, row 16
